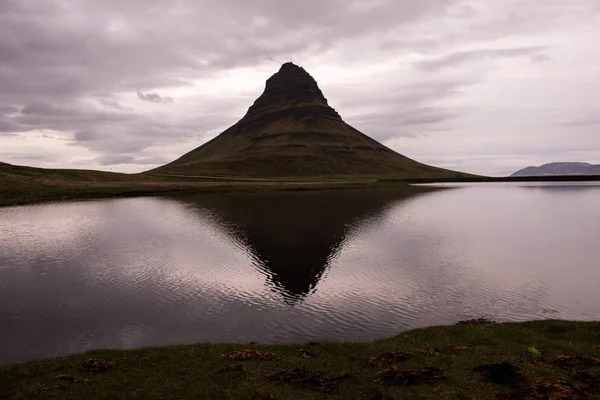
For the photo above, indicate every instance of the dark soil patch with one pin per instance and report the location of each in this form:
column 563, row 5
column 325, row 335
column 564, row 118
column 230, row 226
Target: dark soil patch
column 94, row 366
column 523, row 388
column 393, row 357
column 501, row 373
column 429, row 352
column 559, row 330
column 536, row 363
column 576, row 361
column 451, row 348
column 590, row 378
column 261, row 396
column 395, row 376
column 251, row 354
column 386, row 358
column 370, row 362
column 232, row 368
column 477, row 321
column 306, row 353
column 545, row 390
column 317, row 380
column 71, row 379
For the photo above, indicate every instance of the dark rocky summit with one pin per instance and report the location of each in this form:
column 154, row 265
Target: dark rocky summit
column 560, row 168
column 291, row 131
column 291, row 87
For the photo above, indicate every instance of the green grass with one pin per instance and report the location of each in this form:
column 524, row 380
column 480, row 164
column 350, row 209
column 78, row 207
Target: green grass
column 188, row 371
column 289, row 139
column 23, row 185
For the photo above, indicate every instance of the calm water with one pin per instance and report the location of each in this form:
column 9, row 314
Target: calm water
column 292, row 266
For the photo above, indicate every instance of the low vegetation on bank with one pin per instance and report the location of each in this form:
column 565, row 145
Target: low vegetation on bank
column 477, row 360
column 24, row 185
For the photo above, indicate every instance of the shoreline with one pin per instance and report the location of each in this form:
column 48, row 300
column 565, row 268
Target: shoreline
column 20, row 185
column 549, row 353
column 54, row 194
column 37, row 193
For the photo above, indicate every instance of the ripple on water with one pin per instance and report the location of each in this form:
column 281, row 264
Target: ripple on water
column 141, row 272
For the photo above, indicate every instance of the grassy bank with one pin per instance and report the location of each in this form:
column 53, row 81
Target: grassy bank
column 533, row 360
column 24, row 185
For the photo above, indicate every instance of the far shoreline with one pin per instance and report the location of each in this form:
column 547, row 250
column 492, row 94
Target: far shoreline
column 25, row 185
column 508, row 179
column 177, row 189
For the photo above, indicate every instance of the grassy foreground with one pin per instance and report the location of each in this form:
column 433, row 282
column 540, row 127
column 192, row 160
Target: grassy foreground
column 532, row 360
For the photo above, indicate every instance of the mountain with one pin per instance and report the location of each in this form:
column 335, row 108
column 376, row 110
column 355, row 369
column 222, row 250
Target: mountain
column 291, row 131
column 3, row 163
column 560, row 168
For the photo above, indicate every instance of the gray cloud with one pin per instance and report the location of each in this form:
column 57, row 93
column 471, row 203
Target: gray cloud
column 128, row 159
column 28, row 157
column 154, row 98
column 46, row 110
column 80, row 68
column 404, row 110
column 47, row 116
column 113, row 103
column 50, row 44
column 411, row 123
column 56, row 58
column 132, row 140
column 8, row 126
column 584, row 122
column 115, row 159
column 8, row 109
column 86, row 135
column 540, row 58
column 461, row 57
column 403, row 95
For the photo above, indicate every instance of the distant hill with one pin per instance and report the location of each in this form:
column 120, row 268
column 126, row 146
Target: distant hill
column 560, row 168
column 3, row 163
column 291, row 131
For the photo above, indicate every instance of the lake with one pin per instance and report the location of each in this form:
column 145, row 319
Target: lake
column 293, row 266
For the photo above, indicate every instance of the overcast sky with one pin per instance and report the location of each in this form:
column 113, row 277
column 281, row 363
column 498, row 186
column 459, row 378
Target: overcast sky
column 486, row 87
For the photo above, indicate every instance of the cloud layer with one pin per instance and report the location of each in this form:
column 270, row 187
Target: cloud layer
column 486, row 88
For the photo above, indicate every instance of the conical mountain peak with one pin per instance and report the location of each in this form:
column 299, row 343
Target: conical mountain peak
column 291, row 131
column 291, row 68
column 291, row 87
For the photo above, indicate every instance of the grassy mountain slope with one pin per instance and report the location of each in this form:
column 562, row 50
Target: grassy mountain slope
column 291, row 131
column 21, row 185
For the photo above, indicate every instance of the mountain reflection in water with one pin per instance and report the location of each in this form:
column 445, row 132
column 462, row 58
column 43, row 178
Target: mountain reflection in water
column 277, row 267
column 154, row 271
column 293, row 239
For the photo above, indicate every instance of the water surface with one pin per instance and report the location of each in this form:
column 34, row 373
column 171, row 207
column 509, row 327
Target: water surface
column 296, row 266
